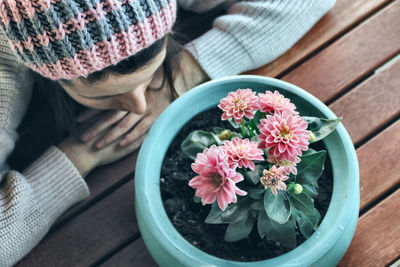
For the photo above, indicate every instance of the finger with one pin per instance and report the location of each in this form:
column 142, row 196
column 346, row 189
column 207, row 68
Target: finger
column 102, row 124
column 87, row 114
column 140, row 129
column 135, row 144
column 121, row 128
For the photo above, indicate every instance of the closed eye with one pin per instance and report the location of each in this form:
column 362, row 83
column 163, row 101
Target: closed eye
column 101, row 97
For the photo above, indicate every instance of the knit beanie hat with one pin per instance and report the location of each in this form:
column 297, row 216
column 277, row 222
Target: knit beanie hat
column 65, row 39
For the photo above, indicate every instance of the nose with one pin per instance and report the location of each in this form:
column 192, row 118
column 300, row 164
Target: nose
column 135, row 101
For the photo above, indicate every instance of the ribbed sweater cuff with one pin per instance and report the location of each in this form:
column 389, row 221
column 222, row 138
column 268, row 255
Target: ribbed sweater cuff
column 216, row 62
column 56, row 182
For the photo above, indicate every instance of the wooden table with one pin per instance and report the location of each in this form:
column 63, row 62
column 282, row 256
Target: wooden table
column 350, row 60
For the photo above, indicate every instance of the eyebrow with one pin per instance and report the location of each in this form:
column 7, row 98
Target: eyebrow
column 101, row 97
column 111, row 96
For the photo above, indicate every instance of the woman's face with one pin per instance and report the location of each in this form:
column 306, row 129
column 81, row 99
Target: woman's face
column 125, row 92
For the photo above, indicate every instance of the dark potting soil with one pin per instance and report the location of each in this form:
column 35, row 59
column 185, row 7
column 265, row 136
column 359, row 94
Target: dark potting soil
column 188, row 217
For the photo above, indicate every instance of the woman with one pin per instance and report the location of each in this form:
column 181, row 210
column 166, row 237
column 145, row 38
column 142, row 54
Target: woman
column 114, row 55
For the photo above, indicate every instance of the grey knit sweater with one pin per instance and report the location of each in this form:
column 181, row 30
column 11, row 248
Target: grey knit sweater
column 252, row 34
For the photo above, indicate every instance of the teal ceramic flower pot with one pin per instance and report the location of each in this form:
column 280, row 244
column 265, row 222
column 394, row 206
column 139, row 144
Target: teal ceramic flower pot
column 324, row 248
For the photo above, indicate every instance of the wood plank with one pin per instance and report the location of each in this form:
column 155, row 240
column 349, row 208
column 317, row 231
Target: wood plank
column 343, row 16
column 358, row 53
column 376, row 241
column 135, row 254
column 372, row 104
column 90, row 235
column 379, row 164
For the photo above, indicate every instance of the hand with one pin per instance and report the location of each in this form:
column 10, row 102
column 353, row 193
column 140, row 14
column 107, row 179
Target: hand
column 128, row 125
column 116, row 122
column 86, row 157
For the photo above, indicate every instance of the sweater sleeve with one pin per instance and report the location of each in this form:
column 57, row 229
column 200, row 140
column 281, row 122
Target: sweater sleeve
column 31, row 201
column 254, row 33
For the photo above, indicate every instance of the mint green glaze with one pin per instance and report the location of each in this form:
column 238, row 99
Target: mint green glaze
column 324, row 248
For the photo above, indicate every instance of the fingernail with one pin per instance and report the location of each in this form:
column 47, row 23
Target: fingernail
column 85, row 137
column 123, row 142
column 100, row 144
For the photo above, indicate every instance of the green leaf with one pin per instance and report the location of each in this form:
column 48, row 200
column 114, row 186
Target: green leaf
column 309, row 151
column 321, row 127
column 310, row 169
column 235, row 134
column 258, row 205
column 266, row 153
column 256, row 193
column 245, row 130
column 277, row 207
column 253, row 176
column 196, row 199
column 234, row 124
column 257, row 117
column 256, row 121
column 218, row 130
column 217, row 140
column 234, row 213
column 306, row 216
column 196, row 142
column 285, row 233
column 240, row 230
column 310, row 189
column 254, row 138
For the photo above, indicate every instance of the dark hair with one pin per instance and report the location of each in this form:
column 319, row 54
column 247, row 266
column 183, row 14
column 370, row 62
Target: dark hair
column 66, row 109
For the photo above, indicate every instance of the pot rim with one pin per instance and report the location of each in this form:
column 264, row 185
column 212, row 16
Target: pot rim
column 147, row 191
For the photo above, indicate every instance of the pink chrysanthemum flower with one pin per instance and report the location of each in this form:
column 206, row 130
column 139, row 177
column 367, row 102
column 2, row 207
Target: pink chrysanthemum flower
column 284, row 135
column 216, row 179
column 275, row 102
column 239, row 104
column 243, row 152
column 273, row 178
column 289, row 166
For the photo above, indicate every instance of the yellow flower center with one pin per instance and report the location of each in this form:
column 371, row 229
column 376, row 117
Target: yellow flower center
column 225, row 135
column 285, row 132
column 239, row 103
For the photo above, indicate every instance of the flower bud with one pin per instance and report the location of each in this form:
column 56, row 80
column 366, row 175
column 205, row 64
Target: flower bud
column 225, row 135
column 312, row 137
column 297, row 189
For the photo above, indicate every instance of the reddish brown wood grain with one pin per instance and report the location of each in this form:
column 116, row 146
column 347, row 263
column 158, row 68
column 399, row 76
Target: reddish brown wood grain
column 376, row 241
column 358, row 53
column 135, row 254
column 370, row 105
column 343, row 15
column 379, row 164
column 91, row 235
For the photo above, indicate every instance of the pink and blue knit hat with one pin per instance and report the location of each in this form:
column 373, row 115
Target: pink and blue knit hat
column 66, row 39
